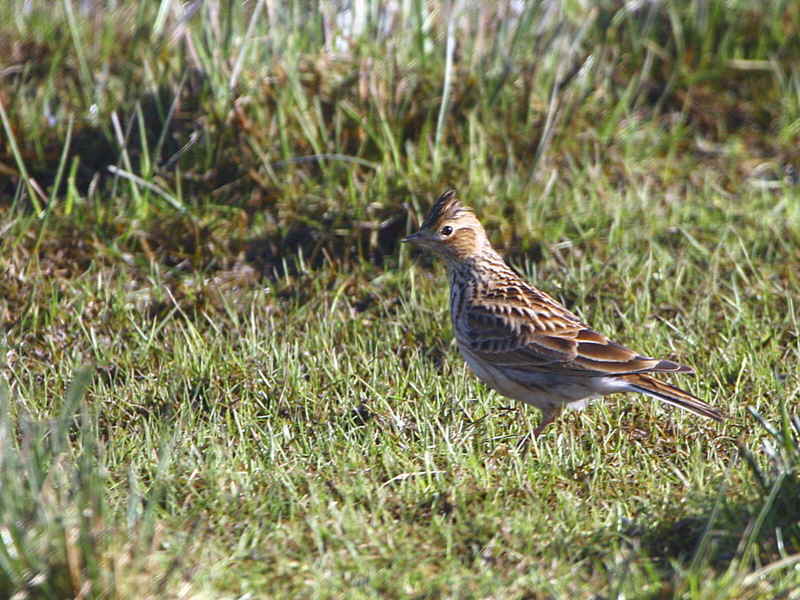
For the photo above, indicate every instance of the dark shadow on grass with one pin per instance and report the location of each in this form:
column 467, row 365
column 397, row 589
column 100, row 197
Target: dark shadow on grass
column 755, row 532
column 161, row 122
column 328, row 239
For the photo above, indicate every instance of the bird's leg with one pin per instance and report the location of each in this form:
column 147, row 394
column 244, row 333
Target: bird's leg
column 549, row 414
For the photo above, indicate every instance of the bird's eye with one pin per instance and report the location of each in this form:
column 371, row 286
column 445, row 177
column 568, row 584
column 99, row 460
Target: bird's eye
column 447, row 230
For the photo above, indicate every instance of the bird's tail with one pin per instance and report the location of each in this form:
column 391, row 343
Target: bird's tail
column 671, row 395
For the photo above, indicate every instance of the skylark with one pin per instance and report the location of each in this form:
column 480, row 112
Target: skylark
column 520, row 341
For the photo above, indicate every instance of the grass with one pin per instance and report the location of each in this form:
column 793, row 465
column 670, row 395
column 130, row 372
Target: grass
column 223, row 378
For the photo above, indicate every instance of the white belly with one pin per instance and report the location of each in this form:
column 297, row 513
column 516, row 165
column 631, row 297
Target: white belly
column 541, row 389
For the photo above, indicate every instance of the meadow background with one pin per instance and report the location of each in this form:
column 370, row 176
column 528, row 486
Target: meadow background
column 222, row 377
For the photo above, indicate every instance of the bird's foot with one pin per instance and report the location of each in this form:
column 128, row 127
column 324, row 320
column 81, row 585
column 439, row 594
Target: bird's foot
column 524, row 444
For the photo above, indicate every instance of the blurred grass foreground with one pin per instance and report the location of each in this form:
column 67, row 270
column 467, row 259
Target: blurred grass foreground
column 220, row 376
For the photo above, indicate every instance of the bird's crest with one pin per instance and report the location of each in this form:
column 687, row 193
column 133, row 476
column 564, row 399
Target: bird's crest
column 446, row 207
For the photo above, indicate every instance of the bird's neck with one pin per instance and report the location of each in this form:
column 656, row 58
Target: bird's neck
column 482, row 267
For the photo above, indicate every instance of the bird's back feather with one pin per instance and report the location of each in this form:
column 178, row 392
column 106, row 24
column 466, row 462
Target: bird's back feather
column 510, row 323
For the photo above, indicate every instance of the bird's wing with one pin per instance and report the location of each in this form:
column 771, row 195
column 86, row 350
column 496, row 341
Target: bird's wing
column 519, row 327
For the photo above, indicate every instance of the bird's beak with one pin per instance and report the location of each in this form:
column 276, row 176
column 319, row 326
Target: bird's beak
column 413, row 238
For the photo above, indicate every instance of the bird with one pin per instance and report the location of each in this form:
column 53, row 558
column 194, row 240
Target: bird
column 520, row 341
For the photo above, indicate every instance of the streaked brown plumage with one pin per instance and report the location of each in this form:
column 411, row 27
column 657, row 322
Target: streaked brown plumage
column 520, row 341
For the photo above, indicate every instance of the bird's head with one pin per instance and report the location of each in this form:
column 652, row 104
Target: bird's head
column 450, row 230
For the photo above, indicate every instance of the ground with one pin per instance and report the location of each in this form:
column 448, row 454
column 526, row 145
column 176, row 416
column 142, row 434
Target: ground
column 221, row 376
